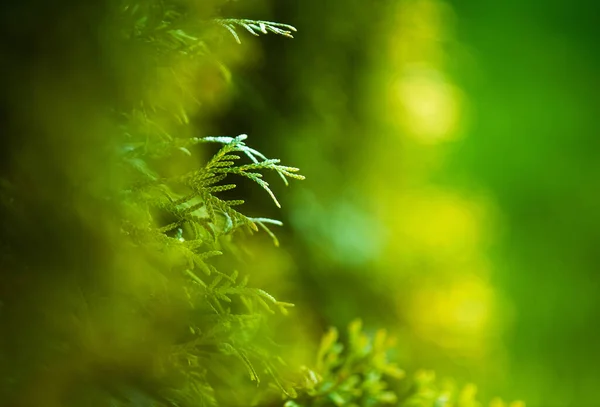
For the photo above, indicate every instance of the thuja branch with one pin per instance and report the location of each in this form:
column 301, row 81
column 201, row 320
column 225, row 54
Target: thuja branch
column 256, row 27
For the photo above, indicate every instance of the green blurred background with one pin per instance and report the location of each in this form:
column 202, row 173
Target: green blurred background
column 450, row 154
column 451, row 196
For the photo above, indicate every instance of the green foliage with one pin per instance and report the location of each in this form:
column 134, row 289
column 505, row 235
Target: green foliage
column 174, row 212
column 352, row 375
column 256, row 27
column 165, row 315
column 232, row 313
column 359, row 374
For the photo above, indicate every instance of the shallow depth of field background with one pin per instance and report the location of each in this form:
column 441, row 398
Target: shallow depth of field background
column 451, row 154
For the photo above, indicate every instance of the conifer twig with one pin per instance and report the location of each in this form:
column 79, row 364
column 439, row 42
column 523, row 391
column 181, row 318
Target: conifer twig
column 256, row 27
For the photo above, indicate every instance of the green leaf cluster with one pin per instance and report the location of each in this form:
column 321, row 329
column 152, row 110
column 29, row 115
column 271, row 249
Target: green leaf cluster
column 178, row 215
column 353, row 375
column 357, row 372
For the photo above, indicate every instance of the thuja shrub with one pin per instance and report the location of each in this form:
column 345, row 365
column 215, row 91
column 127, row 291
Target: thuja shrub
column 118, row 285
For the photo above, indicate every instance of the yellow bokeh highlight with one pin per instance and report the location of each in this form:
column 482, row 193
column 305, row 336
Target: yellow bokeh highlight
column 438, row 222
column 455, row 315
column 437, row 235
column 421, row 101
column 428, row 107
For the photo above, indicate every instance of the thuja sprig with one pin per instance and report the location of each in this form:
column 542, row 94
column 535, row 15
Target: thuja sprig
column 256, row 27
column 223, row 163
column 357, row 372
column 201, row 203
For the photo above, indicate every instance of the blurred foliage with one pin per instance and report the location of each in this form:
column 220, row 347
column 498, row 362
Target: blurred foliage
column 124, row 303
column 361, row 375
column 353, row 376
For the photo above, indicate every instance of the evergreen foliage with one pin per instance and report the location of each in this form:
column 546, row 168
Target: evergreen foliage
column 255, row 27
column 179, row 216
column 357, row 372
